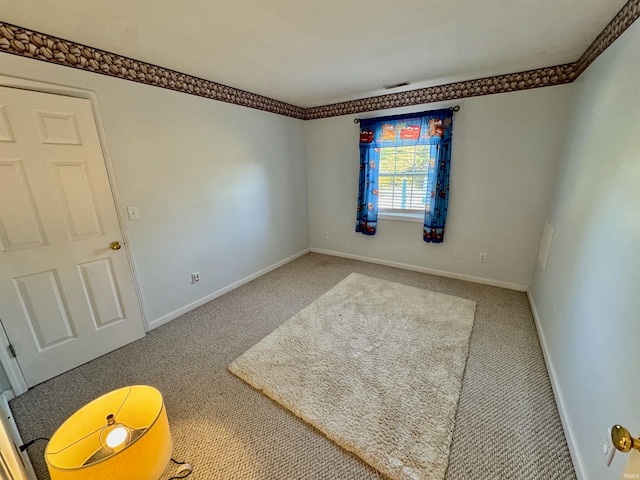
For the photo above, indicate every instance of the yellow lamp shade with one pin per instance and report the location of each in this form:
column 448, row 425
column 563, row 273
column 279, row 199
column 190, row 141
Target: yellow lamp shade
column 134, row 443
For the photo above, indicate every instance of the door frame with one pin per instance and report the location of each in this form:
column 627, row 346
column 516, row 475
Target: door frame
column 8, row 362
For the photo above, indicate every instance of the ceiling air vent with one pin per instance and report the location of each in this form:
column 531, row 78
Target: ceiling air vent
column 396, row 85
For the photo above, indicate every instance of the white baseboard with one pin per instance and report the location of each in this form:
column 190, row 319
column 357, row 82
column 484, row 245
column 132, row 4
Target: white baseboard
column 431, row 271
column 187, row 308
column 557, row 393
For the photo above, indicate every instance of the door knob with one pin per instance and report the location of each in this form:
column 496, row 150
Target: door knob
column 115, row 245
column 623, row 440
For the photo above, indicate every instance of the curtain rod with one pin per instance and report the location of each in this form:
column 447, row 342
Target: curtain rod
column 455, row 108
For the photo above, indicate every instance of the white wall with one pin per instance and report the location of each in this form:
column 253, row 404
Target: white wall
column 505, row 148
column 587, row 299
column 221, row 188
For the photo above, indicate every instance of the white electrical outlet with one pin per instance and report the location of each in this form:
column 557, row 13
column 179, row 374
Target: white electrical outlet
column 482, row 258
column 195, row 277
column 456, row 254
column 326, row 235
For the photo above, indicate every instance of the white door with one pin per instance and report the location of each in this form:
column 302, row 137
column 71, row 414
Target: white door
column 65, row 296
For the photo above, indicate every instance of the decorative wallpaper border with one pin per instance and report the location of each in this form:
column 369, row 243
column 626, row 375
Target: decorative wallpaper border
column 623, row 20
column 542, row 77
column 28, row 43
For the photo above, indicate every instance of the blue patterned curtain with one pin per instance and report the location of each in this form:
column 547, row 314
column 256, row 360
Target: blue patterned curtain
column 367, row 214
column 432, row 128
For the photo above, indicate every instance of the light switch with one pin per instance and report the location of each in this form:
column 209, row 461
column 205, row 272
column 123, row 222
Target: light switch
column 134, row 213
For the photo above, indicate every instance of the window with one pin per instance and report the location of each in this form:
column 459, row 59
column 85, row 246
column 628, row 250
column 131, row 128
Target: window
column 402, row 179
column 405, row 163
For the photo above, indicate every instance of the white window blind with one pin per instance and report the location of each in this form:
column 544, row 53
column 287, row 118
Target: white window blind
column 402, row 179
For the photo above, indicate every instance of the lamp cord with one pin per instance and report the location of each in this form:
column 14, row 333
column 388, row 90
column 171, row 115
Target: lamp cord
column 28, row 444
column 180, row 463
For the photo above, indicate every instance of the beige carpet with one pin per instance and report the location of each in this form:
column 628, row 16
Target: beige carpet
column 376, row 366
column 230, row 431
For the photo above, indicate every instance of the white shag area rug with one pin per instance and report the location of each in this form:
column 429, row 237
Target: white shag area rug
column 374, row 365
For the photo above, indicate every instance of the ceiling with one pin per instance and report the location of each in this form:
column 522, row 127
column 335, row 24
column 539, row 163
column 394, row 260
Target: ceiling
column 317, row 52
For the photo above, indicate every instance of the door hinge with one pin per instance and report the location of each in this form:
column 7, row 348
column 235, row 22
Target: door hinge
column 12, row 351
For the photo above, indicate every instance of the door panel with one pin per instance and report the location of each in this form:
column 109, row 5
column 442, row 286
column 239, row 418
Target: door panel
column 77, row 192
column 101, row 292
column 57, row 127
column 6, row 132
column 66, row 296
column 44, row 309
column 20, row 226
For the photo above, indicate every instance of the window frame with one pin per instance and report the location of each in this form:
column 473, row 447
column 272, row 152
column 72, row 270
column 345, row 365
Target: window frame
column 404, row 217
